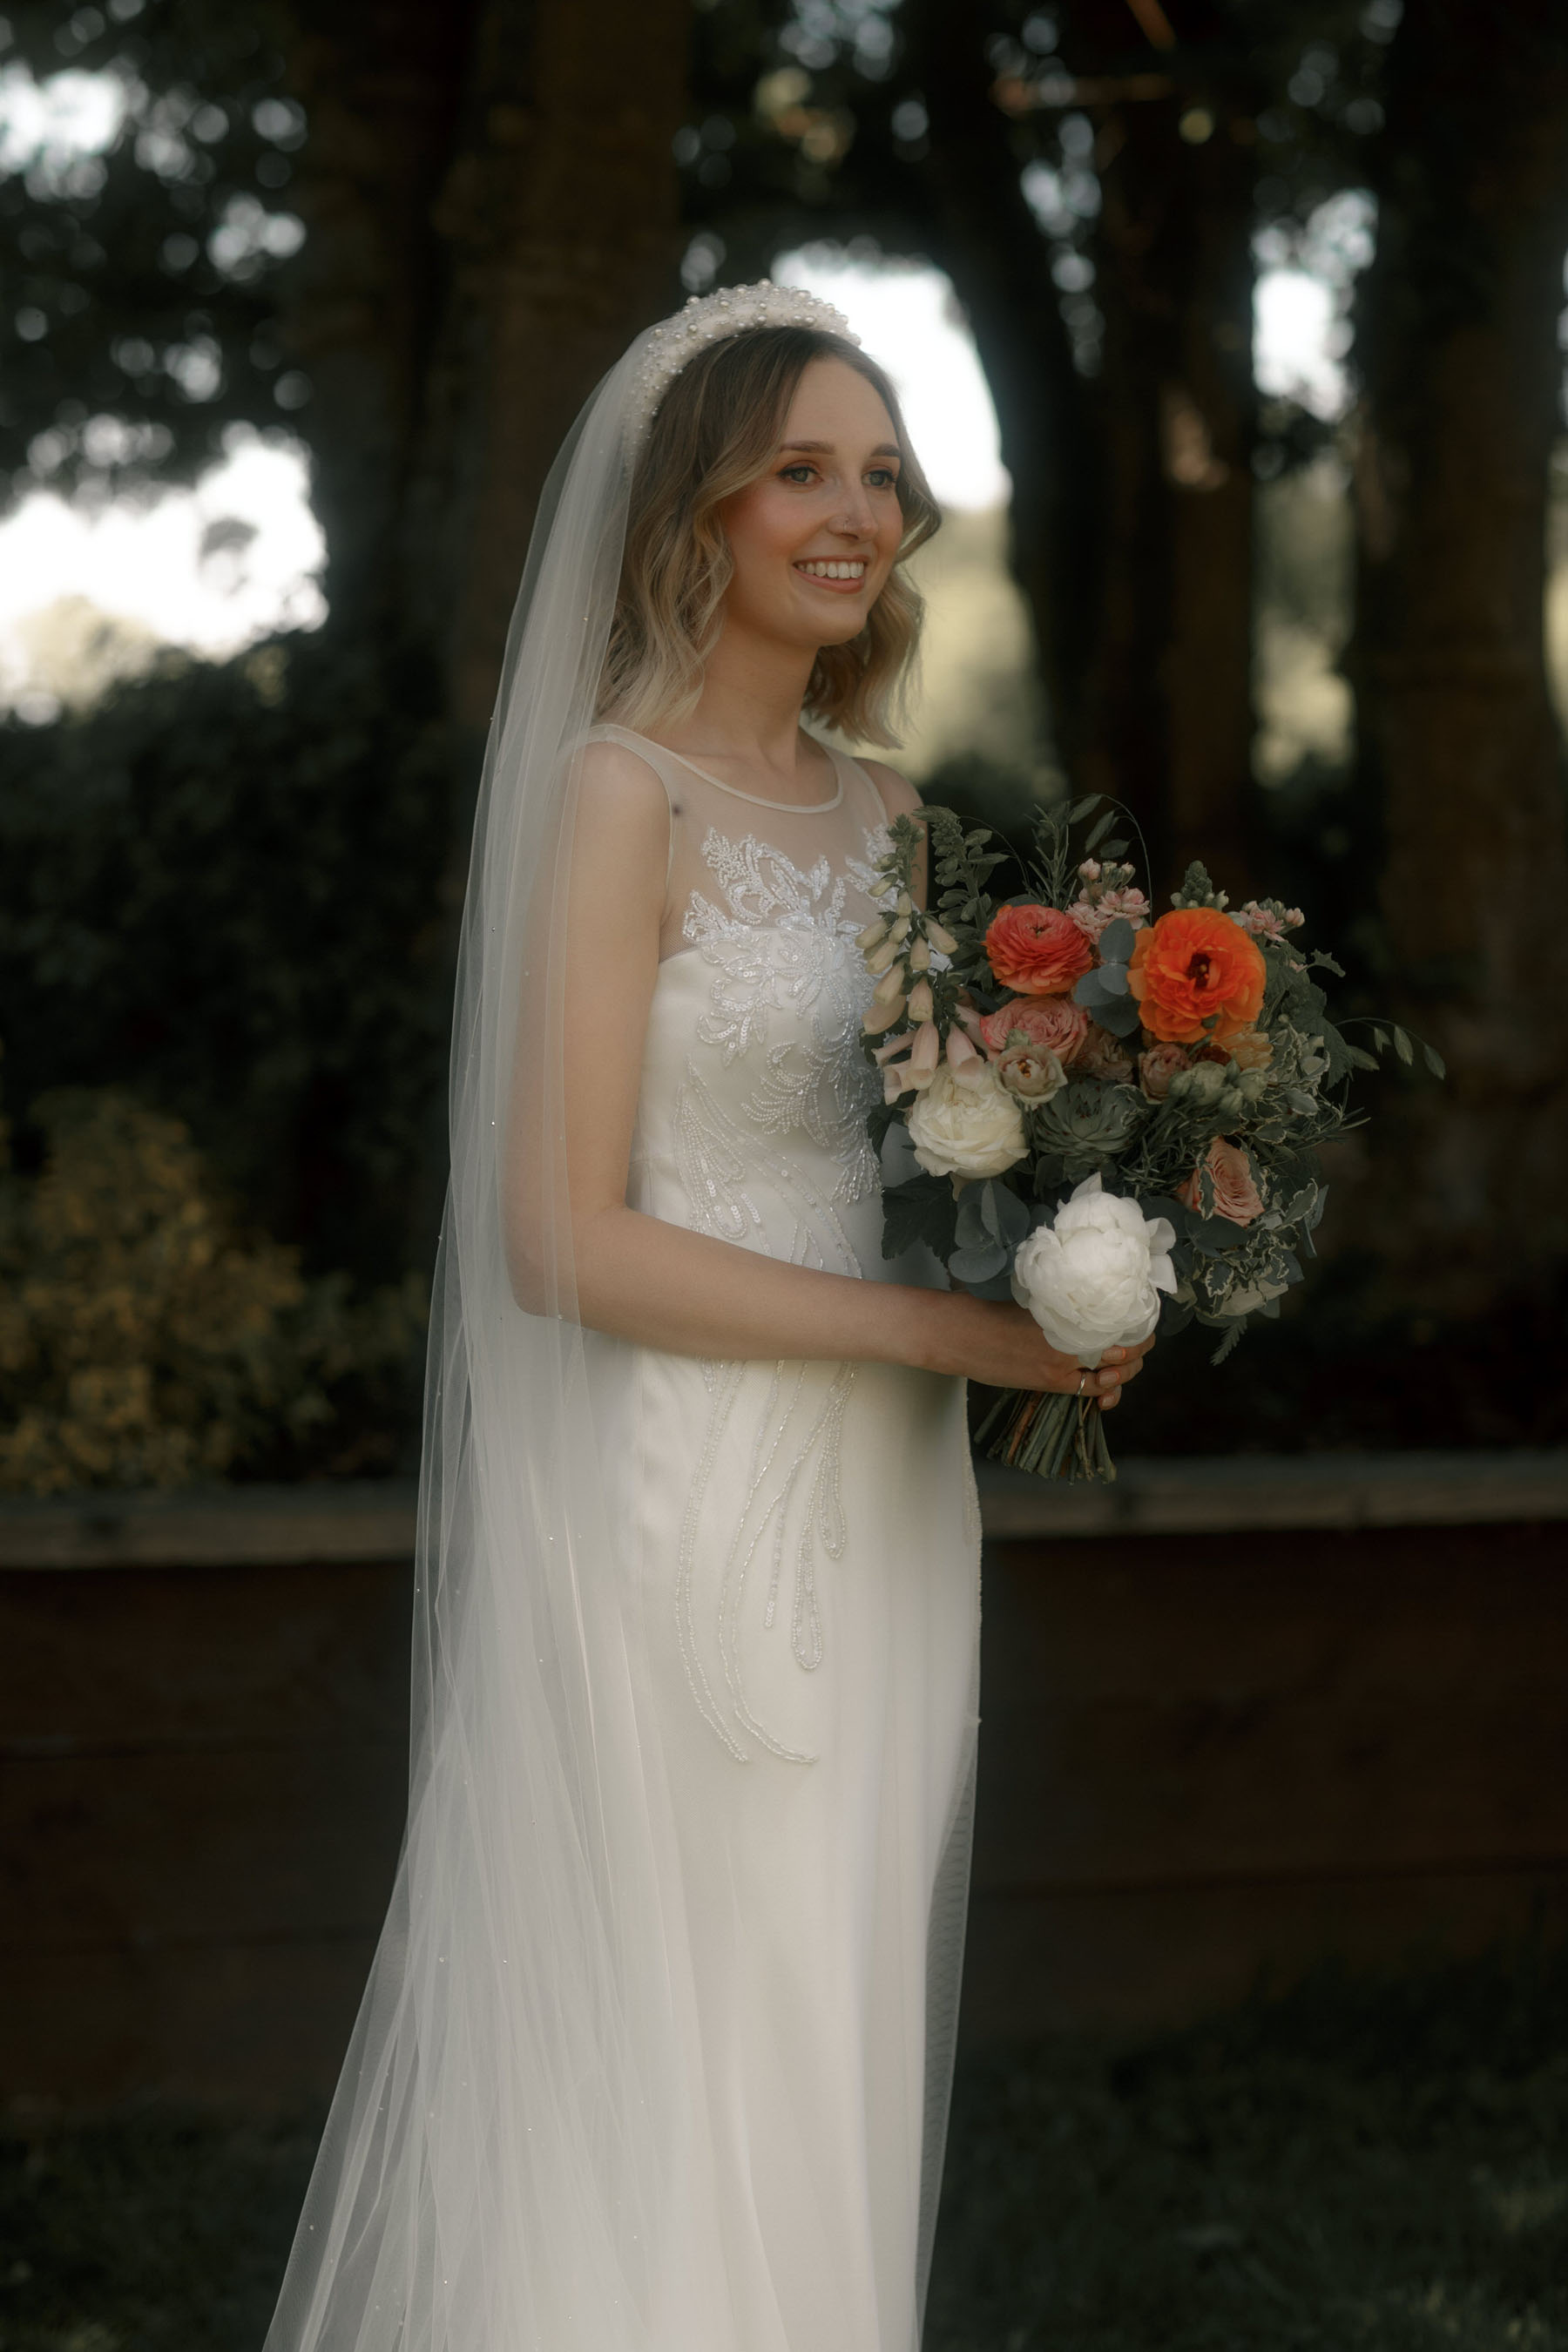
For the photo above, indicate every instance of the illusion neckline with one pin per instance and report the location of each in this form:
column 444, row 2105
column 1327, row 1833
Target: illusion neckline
column 755, row 800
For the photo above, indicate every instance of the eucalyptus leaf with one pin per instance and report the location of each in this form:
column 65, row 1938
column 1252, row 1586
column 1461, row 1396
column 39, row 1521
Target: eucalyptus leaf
column 1119, row 1016
column 1117, row 941
column 1403, row 1046
column 978, row 1265
column 1112, row 978
column 1100, row 831
column 1086, row 807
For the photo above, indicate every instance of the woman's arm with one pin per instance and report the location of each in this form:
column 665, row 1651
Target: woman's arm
column 657, row 1284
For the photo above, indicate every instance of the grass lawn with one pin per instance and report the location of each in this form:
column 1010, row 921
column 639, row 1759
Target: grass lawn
column 1357, row 2166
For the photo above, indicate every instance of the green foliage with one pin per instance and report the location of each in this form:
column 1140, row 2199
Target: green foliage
column 962, row 863
column 139, row 318
column 145, row 1342
column 226, row 888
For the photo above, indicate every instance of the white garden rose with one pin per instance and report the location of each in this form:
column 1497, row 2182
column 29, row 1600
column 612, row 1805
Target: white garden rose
column 966, row 1124
column 1093, row 1279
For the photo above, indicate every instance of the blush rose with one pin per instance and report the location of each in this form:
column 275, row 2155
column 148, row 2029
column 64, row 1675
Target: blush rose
column 1236, row 1194
column 1052, row 1025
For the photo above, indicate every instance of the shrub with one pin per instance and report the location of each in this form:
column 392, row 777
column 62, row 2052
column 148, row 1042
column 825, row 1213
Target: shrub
column 146, row 1341
column 231, row 889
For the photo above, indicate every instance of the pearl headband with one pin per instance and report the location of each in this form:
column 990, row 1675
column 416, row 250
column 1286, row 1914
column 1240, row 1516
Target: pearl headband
column 712, row 319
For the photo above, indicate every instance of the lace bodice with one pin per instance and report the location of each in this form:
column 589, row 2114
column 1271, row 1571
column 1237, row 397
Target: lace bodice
column 751, row 1128
column 752, row 1122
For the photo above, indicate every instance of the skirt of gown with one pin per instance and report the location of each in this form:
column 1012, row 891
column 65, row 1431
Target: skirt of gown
column 800, row 1563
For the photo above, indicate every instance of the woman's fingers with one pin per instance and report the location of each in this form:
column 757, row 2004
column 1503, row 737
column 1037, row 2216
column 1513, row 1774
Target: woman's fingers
column 1117, row 1366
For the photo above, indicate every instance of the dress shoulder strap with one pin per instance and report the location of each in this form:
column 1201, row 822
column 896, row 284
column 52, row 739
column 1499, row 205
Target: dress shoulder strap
column 653, row 755
column 664, row 765
column 868, row 785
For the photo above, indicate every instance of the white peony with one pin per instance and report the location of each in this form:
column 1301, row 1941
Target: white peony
column 1093, row 1279
column 966, row 1124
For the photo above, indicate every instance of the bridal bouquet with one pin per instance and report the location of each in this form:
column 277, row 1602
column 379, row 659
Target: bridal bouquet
column 1110, row 1116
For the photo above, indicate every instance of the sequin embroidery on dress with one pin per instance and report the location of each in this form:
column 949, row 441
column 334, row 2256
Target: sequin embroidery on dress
column 773, row 1151
column 786, row 946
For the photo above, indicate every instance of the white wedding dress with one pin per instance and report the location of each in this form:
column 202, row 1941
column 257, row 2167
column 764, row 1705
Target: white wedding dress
column 800, row 1586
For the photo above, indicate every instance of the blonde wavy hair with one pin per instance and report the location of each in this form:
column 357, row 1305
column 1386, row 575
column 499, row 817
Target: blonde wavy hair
column 718, row 430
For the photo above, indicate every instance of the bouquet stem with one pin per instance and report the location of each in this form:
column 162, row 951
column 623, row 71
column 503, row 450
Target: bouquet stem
column 1054, row 1437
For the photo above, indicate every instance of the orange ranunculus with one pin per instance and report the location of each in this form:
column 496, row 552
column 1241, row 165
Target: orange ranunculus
column 1193, row 963
column 1038, row 950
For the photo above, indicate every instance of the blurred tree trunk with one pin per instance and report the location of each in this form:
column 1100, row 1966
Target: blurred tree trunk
column 493, row 212
column 1132, row 525
column 383, row 89
column 562, row 214
column 984, row 235
column 1458, row 352
column 1168, row 699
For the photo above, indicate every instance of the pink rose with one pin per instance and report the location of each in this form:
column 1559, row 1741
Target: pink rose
column 1105, row 1056
column 1052, row 1025
column 1158, row 1066
column 1236, row 1196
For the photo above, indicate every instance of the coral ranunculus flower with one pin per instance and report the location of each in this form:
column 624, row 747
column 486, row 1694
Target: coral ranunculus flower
column 1194, row 962
column 1038, row 950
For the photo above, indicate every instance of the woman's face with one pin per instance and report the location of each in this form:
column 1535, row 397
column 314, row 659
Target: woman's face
column 815, row 537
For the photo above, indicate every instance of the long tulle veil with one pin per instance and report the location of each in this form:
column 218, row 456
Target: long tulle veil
column 511, row 2051
column 496, row 2165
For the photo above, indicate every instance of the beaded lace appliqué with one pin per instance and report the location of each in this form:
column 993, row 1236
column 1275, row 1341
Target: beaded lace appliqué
column 782, row 953
column 785, row 947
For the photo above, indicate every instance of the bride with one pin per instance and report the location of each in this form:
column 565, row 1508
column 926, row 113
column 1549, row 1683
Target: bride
column 655, row 2051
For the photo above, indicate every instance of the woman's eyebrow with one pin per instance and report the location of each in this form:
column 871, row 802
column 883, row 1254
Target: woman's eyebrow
column 827, row 449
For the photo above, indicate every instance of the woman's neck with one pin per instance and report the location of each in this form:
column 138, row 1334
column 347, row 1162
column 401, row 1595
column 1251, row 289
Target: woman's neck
column 749, row 712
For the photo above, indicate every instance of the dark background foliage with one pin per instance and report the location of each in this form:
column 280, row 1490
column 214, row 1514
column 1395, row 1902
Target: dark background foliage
column 416, row 238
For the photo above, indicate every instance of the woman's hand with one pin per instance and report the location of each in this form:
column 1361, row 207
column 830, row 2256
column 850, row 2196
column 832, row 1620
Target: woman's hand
column 1003, row 1346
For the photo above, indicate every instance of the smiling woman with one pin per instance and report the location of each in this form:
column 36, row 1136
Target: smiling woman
column 657, row 2051
column 773, row 441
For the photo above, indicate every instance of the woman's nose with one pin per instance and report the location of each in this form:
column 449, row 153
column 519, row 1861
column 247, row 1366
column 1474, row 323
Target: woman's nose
column 854, row 518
